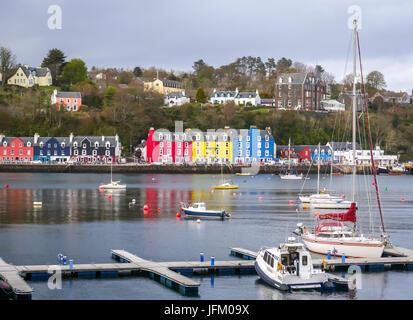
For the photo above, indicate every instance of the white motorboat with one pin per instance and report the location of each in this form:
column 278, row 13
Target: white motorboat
column 290, row 267
column 199, row 210
column 331, row 204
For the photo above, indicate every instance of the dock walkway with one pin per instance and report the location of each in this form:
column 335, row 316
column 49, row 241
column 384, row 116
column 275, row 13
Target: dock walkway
column 9, row 274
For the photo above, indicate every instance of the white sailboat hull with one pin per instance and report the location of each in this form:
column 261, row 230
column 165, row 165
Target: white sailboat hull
column 290, row 177
column 331, row 205
column 355, row 247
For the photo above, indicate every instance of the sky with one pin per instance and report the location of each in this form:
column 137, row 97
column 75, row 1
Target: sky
column 173, row 34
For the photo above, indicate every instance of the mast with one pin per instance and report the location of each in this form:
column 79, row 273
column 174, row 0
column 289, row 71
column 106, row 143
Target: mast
column 331, row 159
column 289, row 153
column 354, row 109
column 318, row 170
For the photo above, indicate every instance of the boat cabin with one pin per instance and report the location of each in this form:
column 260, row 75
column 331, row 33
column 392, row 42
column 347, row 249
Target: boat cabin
column 290, row 258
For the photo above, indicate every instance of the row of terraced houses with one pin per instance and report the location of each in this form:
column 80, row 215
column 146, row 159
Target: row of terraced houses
column 79, row 149
column 221, row 146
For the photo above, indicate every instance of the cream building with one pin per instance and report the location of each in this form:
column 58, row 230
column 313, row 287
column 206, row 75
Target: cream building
column 27, row 77
column 164, row 86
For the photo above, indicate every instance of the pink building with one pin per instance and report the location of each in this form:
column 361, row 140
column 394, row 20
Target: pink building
column 167, row 147
column 14, row 149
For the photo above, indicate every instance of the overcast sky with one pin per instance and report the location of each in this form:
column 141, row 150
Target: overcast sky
column 174, row 34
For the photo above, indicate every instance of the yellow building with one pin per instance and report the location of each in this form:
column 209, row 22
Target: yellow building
column 210, row 147
column 27, row 77
column 164, row 86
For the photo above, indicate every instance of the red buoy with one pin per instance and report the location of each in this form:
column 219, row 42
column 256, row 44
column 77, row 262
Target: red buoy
column 109, row 197
column 159, row 209
column 402, row 198
column 145, row 207
column 260, row 198
column 291, row 202
column 6, row 186
column 178, row 215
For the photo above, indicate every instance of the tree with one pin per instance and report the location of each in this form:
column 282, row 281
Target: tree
column 54, row 60
column 283, row 65
column 125, row 77
column 7, row 64
column 200, row 95
column 74, row 72
column 137, row 72
column 376, row 80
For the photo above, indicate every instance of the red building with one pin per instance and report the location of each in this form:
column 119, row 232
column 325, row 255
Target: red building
column 167, row 147
column 70, row 101
column 301, row 153
column 14, row 149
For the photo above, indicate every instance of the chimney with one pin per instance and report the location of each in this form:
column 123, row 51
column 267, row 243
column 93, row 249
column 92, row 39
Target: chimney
column 268, row 129
column 103, row 138
column 71, row 137
column 117, row 138
column 36, row 138
column 2, row 136
column 26, row 66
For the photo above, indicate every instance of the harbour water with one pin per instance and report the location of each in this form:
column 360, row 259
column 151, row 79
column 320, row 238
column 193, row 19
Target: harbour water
column 82, row 222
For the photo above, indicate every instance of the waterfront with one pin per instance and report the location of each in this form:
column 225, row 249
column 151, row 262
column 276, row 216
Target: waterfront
column 79, row 220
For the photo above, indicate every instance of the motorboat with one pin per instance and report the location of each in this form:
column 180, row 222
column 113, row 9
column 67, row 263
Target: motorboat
column 199, row 210
column 226, row 185
column 292, row 175
column 289, row 267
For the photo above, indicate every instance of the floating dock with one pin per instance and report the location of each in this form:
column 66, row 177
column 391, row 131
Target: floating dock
column 176, row 274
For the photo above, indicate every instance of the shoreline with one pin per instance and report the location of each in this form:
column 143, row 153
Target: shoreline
column 172, row 169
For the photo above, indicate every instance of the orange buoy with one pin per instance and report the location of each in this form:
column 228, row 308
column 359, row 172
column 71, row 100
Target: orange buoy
column 159, row 209
column 291, row 202
column 178, row 215
column 260, row 198
column 402, row 198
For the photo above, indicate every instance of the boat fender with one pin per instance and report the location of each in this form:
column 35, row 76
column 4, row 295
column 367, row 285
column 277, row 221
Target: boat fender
column 279, row 266
column 324, row 264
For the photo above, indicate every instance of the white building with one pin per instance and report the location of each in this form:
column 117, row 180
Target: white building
column 239, row 98
column 176, row 99
column 333, row 105
column 343, row 154
column 248, row 98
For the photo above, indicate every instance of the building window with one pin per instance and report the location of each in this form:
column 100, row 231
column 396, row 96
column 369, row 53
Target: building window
column 75, row 152
column 161, row 144
column 267, row 153
column 267, row 145
column 84, row 145
column 21, row 152
column 83, row 152
column 107, row 152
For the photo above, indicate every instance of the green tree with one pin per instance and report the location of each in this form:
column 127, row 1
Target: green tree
column 376, row 80
column 109, row 94
column 55, row 61
column 283, row 65
column 200, row 95
column 7, row 64
column 137, row 72
column 125, row 77
column 74, row 72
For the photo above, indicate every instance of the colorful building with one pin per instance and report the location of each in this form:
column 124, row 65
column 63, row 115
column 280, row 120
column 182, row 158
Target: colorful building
column 71, row 101
column 16, row 150
column 163, row 86
column 254, row 145
column 50, row 149
column 166, row 147
column 95, row 149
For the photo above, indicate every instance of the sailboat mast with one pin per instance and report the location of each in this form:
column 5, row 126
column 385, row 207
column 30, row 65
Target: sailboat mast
column 318, row 170
column 354, row 109
column 289, row 141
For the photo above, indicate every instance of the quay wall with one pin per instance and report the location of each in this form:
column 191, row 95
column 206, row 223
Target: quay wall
column 180, row 169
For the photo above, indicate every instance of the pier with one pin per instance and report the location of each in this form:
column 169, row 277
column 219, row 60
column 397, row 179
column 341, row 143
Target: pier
column 176, row 275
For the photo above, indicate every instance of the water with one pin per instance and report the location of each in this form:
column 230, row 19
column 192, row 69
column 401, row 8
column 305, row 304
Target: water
column 80, row 221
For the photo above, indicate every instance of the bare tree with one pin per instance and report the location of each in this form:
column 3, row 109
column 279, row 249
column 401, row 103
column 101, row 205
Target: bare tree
column 7, row 63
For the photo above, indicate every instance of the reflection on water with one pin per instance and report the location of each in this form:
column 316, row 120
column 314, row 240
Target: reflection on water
column 78, row 219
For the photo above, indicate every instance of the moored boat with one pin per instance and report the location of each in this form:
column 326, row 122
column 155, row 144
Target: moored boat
column 289, row 267
column 199, row 210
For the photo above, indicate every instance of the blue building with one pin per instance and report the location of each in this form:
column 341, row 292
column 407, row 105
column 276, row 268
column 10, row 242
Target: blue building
column 253, row 145
column 50, row 149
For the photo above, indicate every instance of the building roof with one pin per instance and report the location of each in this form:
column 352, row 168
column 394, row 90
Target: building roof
column 172, row 83
column 246, row 95
column 62, row 94
column 225, row 93
column 37, row 72
column 296, row 78
column 343, row 146
column 391, row 94
column 175, row 95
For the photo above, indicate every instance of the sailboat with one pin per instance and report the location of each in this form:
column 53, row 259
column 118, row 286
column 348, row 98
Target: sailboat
column 112, row 184
column 337, row 237
column 225, row 184
column 291, row 175
column 322, row 200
